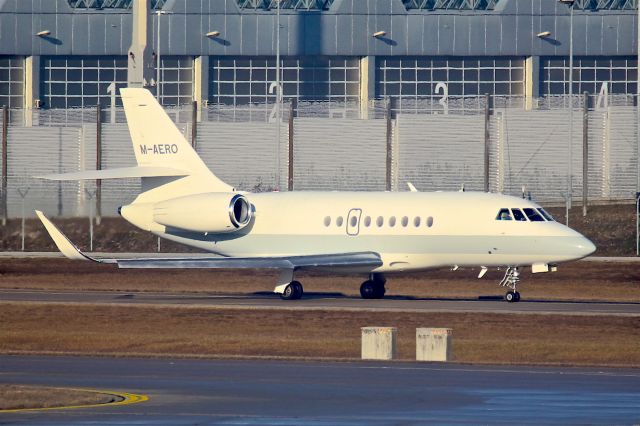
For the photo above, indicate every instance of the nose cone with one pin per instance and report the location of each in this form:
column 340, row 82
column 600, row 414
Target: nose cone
column 584, row 247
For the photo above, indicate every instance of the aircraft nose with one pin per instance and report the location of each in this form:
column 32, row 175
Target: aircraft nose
column 585, row 247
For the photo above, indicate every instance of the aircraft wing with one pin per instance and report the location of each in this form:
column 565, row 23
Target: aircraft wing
column 356, row 259
column 280, row 262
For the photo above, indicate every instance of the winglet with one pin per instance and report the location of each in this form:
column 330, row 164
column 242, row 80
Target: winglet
column 64, row 245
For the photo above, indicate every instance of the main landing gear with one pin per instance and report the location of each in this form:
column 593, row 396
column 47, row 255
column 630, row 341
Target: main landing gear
column 373, row 288
column 292, row 291
column 511, row 280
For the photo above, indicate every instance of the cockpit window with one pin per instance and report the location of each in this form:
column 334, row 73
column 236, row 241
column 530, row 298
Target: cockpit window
column 518, row 215
column 546, row 215
column 533, row 215
column 503, row 214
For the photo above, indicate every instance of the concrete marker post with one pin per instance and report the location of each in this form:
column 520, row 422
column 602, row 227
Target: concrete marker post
column 434, row 344
column 379, row 343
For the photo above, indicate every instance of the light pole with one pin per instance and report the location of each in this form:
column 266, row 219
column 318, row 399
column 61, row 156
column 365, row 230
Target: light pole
column 638, row 134
column 570, row 3
column 278, row 95
column 159, row 13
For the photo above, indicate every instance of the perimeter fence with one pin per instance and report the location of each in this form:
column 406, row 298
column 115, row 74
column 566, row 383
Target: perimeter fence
column 500, row 144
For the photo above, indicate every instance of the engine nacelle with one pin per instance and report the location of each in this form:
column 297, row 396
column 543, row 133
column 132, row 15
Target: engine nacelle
column 214, row 212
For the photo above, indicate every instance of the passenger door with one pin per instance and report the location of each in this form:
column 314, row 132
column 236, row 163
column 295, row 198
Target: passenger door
column 353, row 222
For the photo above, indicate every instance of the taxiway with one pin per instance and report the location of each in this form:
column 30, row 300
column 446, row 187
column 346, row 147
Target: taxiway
column 276, row 392
column 326, row 302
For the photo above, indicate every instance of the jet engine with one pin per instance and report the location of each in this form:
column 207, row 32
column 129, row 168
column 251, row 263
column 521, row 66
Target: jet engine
column 214, row 212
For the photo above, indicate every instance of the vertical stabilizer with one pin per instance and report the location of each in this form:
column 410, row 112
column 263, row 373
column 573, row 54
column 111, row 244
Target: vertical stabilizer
column 157, row 142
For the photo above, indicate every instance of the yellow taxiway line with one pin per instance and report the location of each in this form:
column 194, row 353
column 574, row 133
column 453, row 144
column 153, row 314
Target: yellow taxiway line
column 125, row 399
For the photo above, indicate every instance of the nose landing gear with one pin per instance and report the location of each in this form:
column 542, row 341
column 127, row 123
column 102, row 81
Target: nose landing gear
column 511, row 280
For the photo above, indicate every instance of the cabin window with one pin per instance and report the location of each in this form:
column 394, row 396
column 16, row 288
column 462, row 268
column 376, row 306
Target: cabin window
column 367, row 221
column 533, row 215
column 405, row 221
column 392, row 221
column 518, row 215
column 339, row 221
column 416, row 221
column 380, row 221
column 327, row 221
column 503, row 214
column 429, row 222
column 546, row 215
column 354, row 221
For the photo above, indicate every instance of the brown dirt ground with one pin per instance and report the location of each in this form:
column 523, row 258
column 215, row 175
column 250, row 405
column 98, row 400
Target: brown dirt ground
column 603, row 281
column 121, row 330
column 610, row 227
column 17, row 397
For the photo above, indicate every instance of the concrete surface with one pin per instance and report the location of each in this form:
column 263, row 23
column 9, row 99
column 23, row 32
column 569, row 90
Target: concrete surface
column 434, row 344
column 311, row 301
column 379, row 343
column 185, row 392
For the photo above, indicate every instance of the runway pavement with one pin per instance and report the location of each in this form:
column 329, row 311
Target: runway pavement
column 326, row 302
column 295, row 393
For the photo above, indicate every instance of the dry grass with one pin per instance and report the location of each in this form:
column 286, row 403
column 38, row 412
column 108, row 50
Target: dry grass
column 574, row 281
column 15, row 397
column 202, row 332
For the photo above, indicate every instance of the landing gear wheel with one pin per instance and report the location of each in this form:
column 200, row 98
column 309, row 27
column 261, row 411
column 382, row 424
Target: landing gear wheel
column 293, row 291
column 372, row 290
column 512, row 296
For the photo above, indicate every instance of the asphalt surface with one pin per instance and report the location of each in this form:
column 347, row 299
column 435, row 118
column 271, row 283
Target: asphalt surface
column 296, row 393
column 313, row 301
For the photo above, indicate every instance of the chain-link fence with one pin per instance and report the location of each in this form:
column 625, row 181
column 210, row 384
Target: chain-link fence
column 503, row 143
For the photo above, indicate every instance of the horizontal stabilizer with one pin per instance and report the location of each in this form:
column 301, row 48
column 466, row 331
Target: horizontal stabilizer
column 120, row 173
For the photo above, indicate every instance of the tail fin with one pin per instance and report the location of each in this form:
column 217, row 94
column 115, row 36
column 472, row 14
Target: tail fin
column 157, row 142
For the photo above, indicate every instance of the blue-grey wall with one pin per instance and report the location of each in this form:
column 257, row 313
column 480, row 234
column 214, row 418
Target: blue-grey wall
column 346, row 29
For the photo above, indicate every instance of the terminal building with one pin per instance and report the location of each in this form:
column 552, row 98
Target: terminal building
column 72, row 53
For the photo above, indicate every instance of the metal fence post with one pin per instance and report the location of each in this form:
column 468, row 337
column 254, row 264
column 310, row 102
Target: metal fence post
column 194, row 123
column 292, row 113
column 487, row 139
column 5, row 156
column 585, row 153
column 98, row 164
column 389, row 165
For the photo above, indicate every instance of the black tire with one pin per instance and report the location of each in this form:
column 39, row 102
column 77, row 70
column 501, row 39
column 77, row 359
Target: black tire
column 298, row 288
column 510, row 297
column 379, row 290
column 517, row 297
column 293, row 291
column 368, row 290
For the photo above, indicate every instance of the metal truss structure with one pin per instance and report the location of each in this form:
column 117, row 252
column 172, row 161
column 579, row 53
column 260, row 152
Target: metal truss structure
column 606, row 4
column 450, row 4
column 285, row 4
column 111, row 4
column 325, row 4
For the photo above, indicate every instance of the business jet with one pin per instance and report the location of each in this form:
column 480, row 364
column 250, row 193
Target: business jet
column 372, row 233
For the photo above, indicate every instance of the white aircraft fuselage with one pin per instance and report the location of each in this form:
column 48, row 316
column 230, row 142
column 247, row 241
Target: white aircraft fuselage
column 410, row 230
column 370, row 232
